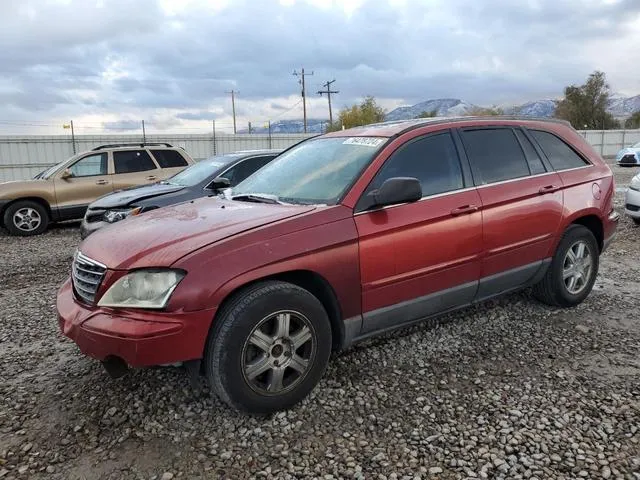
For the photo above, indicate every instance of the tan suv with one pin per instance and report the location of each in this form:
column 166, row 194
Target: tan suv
column 64, row 191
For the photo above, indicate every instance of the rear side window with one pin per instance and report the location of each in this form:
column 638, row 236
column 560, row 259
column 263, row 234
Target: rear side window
column 535, row 163
column 560, row 155
column 131, row 161
column 433, row 160
column 169, row 158
column 495, row 155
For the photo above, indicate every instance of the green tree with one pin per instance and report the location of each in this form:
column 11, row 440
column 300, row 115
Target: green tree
column 585, row 106
column 485, row 112
column 633, row 121
column 368, row 111
column 428, row 114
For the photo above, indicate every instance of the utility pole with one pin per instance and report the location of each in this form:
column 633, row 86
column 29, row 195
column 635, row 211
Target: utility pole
column 144, row 133
column 304, row 96
column 233, row 106
column 73, row 138
column 328, row 91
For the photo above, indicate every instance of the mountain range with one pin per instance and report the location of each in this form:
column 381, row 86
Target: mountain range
column 619, row 106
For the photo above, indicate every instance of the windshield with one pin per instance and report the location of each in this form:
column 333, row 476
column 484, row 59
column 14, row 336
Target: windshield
column 637, row 145
column 49, row 171
column 199, row 172
column 317, row 171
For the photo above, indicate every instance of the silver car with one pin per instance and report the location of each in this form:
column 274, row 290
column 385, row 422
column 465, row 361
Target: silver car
column 629, row 156
column 632, row 200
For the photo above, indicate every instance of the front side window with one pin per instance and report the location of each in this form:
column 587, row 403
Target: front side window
column 317, row 171
column 169, row 158
column 90, row 166
column 433, row 160
column 245, row 169
column 495, row 155
column 560, row 155
column 131, row 161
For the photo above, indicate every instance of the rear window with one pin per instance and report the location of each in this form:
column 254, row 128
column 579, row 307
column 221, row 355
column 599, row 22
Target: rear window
column 495, row 155
column 169, row 158
column 131, row 161
column 560, row 155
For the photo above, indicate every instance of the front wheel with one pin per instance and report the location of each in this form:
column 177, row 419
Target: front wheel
column 636, row 220
column 26, row 218
column 573, row 269
column 268, row 348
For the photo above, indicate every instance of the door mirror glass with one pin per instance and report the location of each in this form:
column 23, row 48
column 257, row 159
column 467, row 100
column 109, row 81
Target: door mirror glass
column 396, row 190
column 66, row 174
column 219, row 183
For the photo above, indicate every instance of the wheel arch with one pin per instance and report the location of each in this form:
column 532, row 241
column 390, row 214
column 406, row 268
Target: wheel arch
column 594, row 224
column 35, row 199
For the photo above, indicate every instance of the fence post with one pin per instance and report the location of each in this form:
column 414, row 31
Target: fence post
column 602, row 144
column 270, row 145
column 624, row 134
column 73, row 138
column 144, row 133
column 213, row 138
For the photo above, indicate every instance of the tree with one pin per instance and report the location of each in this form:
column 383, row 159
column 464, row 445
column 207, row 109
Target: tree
column 633, row 121
column 585, row 106
column 368, row 111
column 428, row 114
column 485, row 112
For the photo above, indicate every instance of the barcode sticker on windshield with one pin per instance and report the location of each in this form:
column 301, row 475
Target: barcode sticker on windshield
column 364, row 141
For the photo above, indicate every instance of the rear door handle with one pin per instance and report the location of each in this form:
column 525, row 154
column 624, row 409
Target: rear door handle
column 465, row 209
column 152, row 177
column 547, row 189
column 101, row 182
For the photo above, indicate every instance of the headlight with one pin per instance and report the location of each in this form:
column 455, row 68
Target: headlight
column 113, row 216
column 635, row 183
column 148, row 288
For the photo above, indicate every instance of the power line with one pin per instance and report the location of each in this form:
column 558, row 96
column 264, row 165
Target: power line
column 302, row 76
column 328, row 91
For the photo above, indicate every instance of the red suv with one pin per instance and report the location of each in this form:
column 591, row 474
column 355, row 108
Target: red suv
column 342, row 237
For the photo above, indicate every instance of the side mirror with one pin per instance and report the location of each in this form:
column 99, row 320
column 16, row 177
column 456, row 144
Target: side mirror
column 219, row 183
column 396, row 190
column 66, row 174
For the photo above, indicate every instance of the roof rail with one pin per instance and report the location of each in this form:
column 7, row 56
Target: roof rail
column 141, row 145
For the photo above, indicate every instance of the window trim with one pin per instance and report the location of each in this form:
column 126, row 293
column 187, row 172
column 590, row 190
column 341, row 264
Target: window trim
column 242, row 160
column 587, row 161
column 544, row 165
column 157, row 167
column 92, row 154
column 474, row 170
column 168, row 150
column 465, row 179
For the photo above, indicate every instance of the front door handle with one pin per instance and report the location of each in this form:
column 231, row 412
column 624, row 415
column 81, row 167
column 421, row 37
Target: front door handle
column 152, row 177
column 465, row 209
column 101, row 182
column 547, row 189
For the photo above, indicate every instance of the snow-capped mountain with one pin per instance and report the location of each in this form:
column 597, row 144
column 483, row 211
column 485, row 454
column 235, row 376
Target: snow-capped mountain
column 539, row 108
column 443, row 106
column 314, row 125
column 621, row 106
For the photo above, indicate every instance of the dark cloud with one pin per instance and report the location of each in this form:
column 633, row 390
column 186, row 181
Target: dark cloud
column 105, row 57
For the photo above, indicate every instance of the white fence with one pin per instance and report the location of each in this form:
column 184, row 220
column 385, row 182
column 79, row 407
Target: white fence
column 24, row 157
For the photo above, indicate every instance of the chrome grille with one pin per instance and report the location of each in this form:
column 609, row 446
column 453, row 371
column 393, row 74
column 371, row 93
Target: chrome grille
column 87, row 275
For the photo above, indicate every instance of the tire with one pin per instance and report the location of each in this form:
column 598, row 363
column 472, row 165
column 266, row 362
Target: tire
column 553, row 289
column 26, row 218
column 243, row 374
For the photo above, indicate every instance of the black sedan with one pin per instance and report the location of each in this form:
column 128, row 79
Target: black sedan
column 206, row 177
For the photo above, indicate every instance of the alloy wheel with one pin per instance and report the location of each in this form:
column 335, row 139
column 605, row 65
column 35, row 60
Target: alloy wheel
column 27, row 219
column 577, row 267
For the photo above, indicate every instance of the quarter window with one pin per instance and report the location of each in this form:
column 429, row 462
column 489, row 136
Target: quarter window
column 560, row 155
column 131, row 161
column 495, row 155
column 433, row 160
column 169, row 158
column 90, row 166
column 535, row 163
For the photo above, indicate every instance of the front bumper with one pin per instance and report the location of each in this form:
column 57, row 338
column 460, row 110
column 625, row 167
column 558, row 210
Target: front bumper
column 628, row 161
column 632, row 203
column 140, row 338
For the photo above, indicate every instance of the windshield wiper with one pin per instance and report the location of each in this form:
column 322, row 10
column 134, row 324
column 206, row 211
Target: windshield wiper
column 258, row 198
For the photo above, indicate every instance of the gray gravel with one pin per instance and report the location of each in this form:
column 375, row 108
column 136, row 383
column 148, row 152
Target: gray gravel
column 509, row 389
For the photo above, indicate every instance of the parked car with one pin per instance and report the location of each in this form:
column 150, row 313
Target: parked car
column 629, row 156
column 206, row 177
column 342, row 237
column 632, row 200
column 63, row 191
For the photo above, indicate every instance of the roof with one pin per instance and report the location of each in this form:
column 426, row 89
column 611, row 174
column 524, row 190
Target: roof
column 396, row 127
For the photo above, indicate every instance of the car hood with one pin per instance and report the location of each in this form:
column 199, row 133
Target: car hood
column 8, row 190
column 122, row 198
column 160, row 237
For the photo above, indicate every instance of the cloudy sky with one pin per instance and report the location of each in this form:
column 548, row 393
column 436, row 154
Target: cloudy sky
column 109, row 63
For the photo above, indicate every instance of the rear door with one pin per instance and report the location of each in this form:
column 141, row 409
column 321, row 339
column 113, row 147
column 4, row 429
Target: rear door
column 170, row 162
column 134, row 167
column 89, row 180
column 420, row 258
column 522, row 205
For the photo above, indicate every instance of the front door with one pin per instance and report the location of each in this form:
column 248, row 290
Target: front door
column 420, row 258
column 521, row 203
column 88, row 180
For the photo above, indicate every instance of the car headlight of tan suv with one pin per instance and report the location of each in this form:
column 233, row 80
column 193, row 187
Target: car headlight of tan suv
column 146, row 288
column 635, row 183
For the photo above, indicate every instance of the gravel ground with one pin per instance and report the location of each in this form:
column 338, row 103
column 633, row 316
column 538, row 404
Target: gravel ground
column 507, row 389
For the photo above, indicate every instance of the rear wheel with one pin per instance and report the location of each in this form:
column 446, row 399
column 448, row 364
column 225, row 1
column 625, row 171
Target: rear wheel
column 573, row 269
column 269, row 347
column 26, row 218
